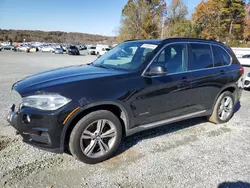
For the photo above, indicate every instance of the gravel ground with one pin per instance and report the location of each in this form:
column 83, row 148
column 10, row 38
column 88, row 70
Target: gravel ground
column 191, row 153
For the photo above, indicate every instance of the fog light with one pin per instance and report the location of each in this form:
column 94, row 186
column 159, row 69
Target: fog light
column 26, row 119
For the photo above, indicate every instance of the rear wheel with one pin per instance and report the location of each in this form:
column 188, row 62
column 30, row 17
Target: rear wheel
column 223, row 109
column 96, row 137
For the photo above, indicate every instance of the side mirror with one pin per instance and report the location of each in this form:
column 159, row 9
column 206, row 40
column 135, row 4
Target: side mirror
column 156, row 70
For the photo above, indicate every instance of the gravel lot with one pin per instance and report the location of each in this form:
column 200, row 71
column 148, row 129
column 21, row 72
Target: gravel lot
column 191, row 153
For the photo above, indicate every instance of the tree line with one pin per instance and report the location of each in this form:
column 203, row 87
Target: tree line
column 223, row 20
column 52, row 37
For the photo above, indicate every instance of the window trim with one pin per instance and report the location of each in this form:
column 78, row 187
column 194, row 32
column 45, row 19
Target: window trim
column 188, row 63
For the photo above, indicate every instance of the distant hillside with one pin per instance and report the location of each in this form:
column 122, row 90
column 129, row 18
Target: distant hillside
column 53, row 37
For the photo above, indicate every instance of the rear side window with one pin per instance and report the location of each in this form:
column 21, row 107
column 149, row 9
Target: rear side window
column 202, row 56
column 221, row 57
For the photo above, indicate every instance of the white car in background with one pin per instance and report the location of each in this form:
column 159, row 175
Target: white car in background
column 23, row 48
column 101, row 49
column 247, row 81
column 48, row 49
column 91, row 50
column 244, row 60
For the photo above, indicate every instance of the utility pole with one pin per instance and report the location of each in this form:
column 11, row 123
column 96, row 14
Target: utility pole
column 162, row 26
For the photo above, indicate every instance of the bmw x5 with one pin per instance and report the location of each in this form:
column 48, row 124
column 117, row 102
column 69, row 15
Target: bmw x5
column 137, row 85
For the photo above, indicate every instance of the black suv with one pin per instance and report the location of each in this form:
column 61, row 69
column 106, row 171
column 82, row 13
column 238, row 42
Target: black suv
column 72, row 50
column 138, row 85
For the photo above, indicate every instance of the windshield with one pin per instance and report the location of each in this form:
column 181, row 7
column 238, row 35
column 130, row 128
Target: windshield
column 127, row 55
column 93, row 48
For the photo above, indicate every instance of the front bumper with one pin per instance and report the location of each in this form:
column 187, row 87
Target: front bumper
column 37, row 128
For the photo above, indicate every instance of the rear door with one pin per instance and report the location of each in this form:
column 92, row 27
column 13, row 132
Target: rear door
column 209, row 74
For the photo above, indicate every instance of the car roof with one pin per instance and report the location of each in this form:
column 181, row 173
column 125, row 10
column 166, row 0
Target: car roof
column 153, row 41
column 192, row 40
column 167, row 40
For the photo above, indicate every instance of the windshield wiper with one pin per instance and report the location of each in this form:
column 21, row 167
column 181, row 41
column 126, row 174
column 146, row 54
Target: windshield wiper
column 100, row 65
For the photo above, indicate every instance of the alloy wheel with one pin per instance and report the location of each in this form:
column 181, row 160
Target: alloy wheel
column 226, row 108
column 98, row 138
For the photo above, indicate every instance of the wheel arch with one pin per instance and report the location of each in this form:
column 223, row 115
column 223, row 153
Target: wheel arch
column 114, row 107
column 232, row 88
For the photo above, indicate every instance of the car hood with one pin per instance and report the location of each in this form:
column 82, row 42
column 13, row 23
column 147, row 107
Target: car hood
column 62, row 76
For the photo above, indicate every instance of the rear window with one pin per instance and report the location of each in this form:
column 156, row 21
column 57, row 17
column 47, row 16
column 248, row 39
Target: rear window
column 93, row 48
column 202, row 56
column 221, row 57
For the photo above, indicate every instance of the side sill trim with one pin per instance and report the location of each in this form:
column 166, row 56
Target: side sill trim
column 164, row 122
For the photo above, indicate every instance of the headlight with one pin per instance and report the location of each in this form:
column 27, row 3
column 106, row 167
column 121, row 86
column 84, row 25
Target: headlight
column 45, row 102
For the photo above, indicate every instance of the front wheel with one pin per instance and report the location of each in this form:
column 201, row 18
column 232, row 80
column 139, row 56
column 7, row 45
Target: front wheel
column 96, row 137
column 223, row 109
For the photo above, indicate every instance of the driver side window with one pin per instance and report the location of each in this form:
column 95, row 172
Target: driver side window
column 173, row 57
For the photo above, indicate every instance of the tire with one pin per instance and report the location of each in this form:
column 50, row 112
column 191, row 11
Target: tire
column 76, row 143
column 216, row 116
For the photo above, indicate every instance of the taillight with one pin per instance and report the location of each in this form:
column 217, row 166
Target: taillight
column 242, row 70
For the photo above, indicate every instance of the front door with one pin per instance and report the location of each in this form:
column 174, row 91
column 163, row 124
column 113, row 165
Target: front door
column 164, row 96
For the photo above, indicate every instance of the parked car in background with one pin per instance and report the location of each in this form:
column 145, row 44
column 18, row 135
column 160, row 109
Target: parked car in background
column 91, row 50
column 244, row 60
column 9, row 47
column 40, row 48
column 246, row 56
column 64, row 48
column 102, row 51
column 247, row 81
column 239, row 52
column 73, row 50
column 53, row 49
column 58, row 51
column 23, row 48
column 82, row 47
column 48, row 49
column 136, row 86
column 33, row 49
